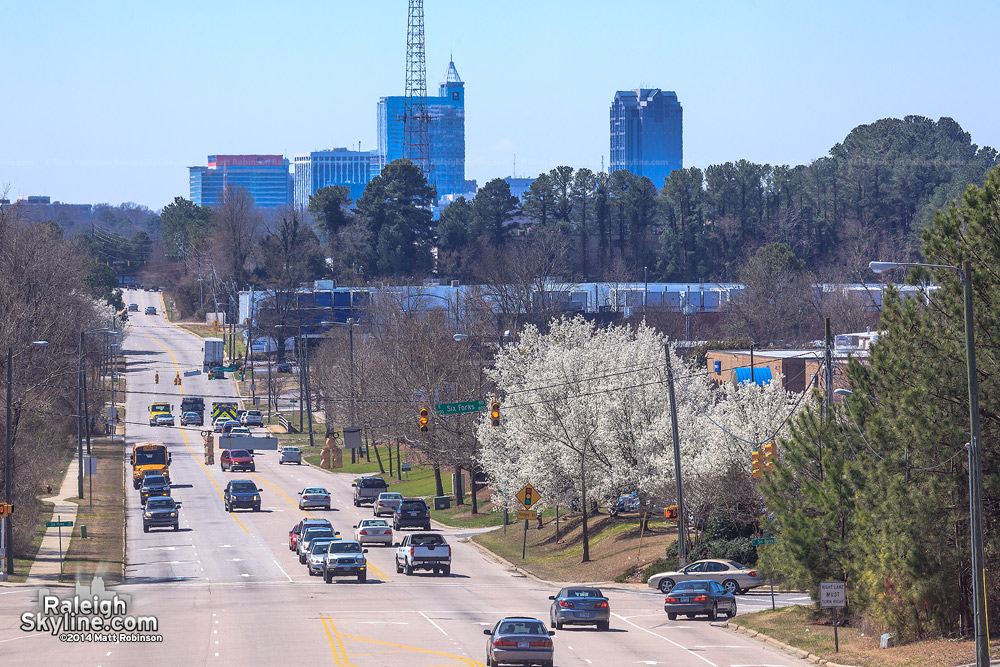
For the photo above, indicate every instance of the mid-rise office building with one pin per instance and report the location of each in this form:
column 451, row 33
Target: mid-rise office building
column 336, row 166
column 265, row 177
column 646, row 133
column 445, row 134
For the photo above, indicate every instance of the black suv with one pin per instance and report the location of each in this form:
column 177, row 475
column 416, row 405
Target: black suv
column 241, row 493
column 412, row 513
column 153, row 486
column 160, row 512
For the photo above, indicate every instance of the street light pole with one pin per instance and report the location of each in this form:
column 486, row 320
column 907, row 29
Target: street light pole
column 975, row 462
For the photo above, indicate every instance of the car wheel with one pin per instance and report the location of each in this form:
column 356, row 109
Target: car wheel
column 666, row 585
column 732, row 611
column 327, row 577
column 177, row 526
column 446, row 570
column 437, row 570
column 731, row 586
column 399, row 568
column 256, row 508
column 327, row 508
column 671, row 616
column 558, row 624
column 302, row 559
column 280, row 462
column 604, row 625
column 427, row 526
column 363, row 577
column 300, row 506
column 713, row 613
column 690, row 615
column 489, row 661
column 145, row 528
column 395, row 526
column 356, row 503
column 408, row 569
column 253, row 469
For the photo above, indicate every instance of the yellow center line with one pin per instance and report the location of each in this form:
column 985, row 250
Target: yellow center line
column 339, row 641
column 379, row 573
column 467, row 661
column 329, row 637
column 187, row 444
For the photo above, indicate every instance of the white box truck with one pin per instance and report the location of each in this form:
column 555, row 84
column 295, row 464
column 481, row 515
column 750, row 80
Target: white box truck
column 213, row 353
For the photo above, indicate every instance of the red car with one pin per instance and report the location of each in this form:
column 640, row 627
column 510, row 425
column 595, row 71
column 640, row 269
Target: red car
column 293, row 534
column 236, row 459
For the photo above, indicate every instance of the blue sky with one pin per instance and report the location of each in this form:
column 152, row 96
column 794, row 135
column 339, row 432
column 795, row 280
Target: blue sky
column 111, row 101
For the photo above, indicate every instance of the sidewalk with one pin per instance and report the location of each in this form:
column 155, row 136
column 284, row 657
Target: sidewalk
column 45, row 569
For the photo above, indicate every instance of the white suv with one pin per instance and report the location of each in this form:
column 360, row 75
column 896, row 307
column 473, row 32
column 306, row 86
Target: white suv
column 252, row 418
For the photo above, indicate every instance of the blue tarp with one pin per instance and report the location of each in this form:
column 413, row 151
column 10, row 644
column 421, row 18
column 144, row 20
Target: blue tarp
column 761, row 376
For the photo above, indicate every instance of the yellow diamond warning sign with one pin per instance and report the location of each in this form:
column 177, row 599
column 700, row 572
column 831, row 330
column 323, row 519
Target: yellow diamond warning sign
column 528, row 496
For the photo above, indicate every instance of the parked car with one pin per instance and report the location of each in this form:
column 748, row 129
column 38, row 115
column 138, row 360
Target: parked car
column 423, row 551
column 699, row 596
column 411, row 513
column 293, row 534
column 314, row 496
column 151, row 310
column 283, row 367
column 733, row 576
column 290, row 455
column 191, row 419
column 386, row 503
column 366, row 489
column 160, row 512
column 237, row 459
column 153, row 486
column 317, row 553
column 164, row 419
column 309, row 534
column 519, row 640
column 133, row 308
column 579, row 604
column 252, row 418
column 345, row 558
column 373, row 530
column 241, row 493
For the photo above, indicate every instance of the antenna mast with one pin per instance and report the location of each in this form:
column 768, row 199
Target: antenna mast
column 415, row 118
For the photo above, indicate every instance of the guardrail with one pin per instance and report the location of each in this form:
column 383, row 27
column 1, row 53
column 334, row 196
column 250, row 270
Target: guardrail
column 287, row 425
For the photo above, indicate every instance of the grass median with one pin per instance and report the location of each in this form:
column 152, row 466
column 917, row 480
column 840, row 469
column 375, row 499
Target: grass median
column 102, row 553
column 811, row 630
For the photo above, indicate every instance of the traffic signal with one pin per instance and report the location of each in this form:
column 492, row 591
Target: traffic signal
column 770, row 455
column 756, row 461
column 670, row 512
column 424, row 420
column 495, row 413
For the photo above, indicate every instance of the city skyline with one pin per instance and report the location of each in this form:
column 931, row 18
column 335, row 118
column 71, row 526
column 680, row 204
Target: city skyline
column 112, row 106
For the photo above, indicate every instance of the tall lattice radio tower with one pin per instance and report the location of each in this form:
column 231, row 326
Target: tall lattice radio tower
column 416, row 146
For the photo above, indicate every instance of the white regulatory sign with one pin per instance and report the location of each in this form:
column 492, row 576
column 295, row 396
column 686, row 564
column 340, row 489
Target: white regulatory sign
column 832, row 594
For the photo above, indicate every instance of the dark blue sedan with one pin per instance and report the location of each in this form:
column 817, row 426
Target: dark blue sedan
column 579, row 604
column 699, row 596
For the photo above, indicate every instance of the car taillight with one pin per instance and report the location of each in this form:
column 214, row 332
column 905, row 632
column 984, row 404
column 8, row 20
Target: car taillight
column 504, row 643
column 670, row 600
column 566, row 603
column 542, row 642
column 449, row 551
column 753, row 573
column 363, row 532
column 700, row 598
column 411, row 551
column 603, row 604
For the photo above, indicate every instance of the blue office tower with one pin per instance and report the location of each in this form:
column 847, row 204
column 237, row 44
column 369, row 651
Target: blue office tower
column 646, row 133
column 337, row 166
column 265, row 177
column 446, row 134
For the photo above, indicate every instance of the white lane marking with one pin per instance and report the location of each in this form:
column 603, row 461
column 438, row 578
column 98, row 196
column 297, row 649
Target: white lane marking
column 587, row 660
column 390, row 623
column 107, row 654
column 668, row 640
column 431, row 621
column 569, row 647
column 244, row 575
column 757, row 664
column 12, row 639
column 237, row 560
column 720, row 646
column 281, row 568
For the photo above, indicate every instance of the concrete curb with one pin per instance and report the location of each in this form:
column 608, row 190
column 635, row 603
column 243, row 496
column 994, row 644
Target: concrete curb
column 507, row 563
column 801, row 653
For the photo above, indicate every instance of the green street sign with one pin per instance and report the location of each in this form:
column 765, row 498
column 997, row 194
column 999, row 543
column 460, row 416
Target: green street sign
column 760, row 541
column 57, row 524
column 460, row 407
column 228, row 369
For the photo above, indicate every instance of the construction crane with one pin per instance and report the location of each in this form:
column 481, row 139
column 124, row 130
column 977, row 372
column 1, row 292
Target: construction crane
column 416, row 146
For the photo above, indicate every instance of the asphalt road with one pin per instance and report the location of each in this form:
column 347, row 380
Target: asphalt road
column 226, row 590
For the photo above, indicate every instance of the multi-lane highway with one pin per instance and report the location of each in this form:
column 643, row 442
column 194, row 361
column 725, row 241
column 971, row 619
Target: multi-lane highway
column 226, row 590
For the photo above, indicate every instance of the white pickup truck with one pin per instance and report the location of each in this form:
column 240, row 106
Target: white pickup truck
column 423, row 551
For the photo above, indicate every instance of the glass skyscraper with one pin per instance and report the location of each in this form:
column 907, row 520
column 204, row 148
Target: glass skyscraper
column 266, row 178
column 646, row 133
column 337, row 166
column 446, row 133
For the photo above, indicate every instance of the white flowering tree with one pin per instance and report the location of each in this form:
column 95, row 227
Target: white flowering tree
column 585, row 417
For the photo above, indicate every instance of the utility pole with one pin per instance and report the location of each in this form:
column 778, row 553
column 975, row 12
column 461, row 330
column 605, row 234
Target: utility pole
column 8, row 475
column 79, row 417
column 681, row 517
column 828, row 364
column 752, row 379
column 309, row 411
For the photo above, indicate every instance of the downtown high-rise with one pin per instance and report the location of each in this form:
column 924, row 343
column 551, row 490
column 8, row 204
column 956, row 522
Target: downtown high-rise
column 647, row 133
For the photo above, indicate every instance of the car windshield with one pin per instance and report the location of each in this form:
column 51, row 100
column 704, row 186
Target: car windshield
column 145, row 457
column 426, row 540
column 580, row 593
column 372, row 482
column 243, row 487
column 190, row 414
column 160, row 504
column 290, row 450
column 690, row 586
column 522, row 628
column 412, row 505
column 315, row 489
column 391, row 496
column 317, row 532
column 239, row 453
column 154, row 480
column 319, row 545
column 345, row 547
column 374, row 522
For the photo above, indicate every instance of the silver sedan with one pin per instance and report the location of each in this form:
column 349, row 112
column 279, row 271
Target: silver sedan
column 314, row 496
column 373, row 530
column 290, row 455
